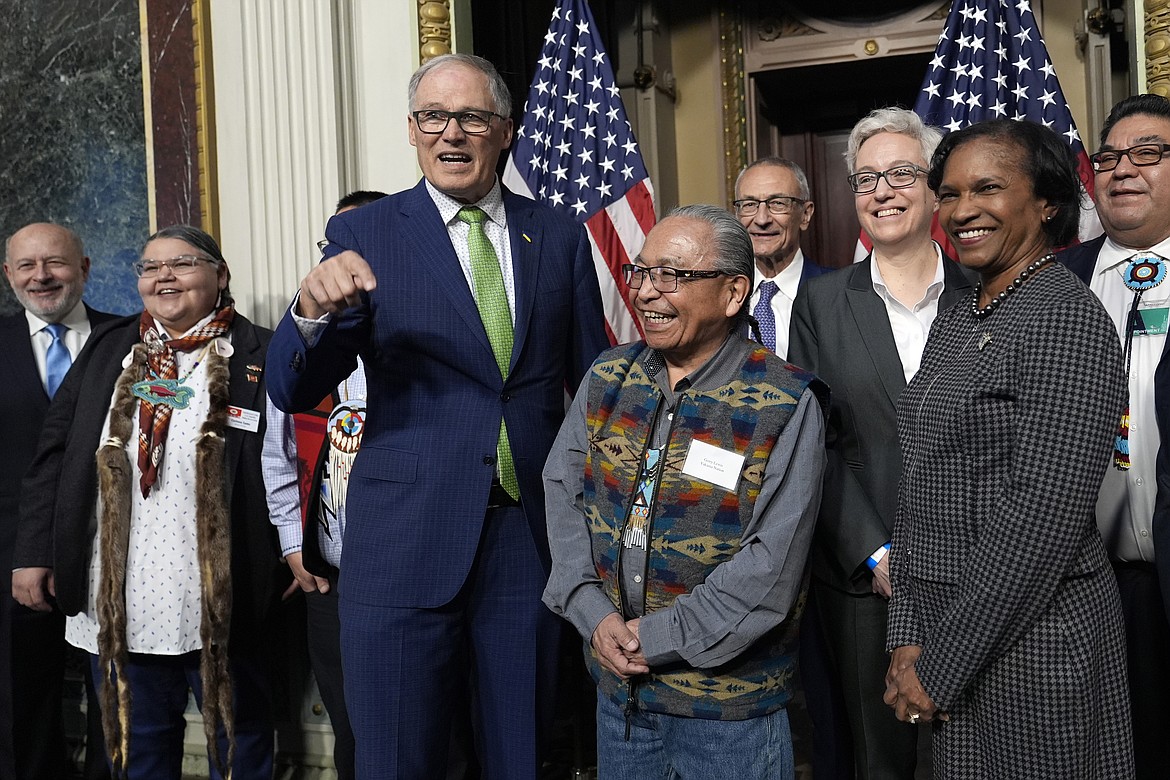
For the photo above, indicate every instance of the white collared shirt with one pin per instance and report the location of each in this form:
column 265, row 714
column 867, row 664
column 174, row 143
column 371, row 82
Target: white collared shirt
column 788, row 282
column 1125, row 505
column 495, row 226
column 77, row 323
column 910, row 324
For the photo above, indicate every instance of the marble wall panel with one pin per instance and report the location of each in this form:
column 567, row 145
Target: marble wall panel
column 171, row 60
column 71, row 134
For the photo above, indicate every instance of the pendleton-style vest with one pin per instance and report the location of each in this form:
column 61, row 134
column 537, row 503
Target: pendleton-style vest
column 695, row 525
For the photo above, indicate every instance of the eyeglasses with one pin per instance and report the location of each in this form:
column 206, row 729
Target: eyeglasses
column 433, row 121
column 898, row 178
column 663, row 278
column 777, row 206
column 1140, row 155
column 322, row 244
column 180, row 266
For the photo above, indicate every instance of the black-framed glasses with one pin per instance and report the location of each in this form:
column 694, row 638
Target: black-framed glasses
column 1140, row 155
column 777, row 206
column 434, row 121
column 900, row 177
column 180, row 266
column 322, row 244
column 663, row 278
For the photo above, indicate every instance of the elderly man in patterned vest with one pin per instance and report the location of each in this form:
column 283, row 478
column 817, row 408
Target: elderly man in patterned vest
column 681, row 496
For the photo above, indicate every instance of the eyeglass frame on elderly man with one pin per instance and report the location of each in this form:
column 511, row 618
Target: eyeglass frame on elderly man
column 664, row 273
column 190, row 263
column 855, row 184
column 778, row 206
column 460, row 118
column 1095, row 157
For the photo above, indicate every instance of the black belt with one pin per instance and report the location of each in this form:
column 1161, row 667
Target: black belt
column 498, row 498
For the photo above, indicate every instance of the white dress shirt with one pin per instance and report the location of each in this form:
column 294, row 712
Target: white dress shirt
column 788, row 281
column 910, row 324
column 1125, row 505
column 77, row 323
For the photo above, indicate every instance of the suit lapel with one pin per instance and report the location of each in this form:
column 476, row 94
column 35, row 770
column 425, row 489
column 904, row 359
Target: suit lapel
column 956, row 284
column 525, row 241
column 23, row 362
column 869, row 314
column 245, row 378
column 431, row 249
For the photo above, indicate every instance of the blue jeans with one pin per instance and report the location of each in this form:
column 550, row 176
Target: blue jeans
column 670, row 747
column 158, row 689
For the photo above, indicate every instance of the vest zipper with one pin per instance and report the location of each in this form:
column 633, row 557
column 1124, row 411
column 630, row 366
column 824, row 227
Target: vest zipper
column 654, row 499
column 631, row 705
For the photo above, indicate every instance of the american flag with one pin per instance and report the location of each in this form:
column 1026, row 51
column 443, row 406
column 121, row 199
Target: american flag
column 991, row 63
column 576, row 152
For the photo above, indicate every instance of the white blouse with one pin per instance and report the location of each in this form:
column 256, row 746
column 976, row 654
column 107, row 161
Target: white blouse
column 163, row 599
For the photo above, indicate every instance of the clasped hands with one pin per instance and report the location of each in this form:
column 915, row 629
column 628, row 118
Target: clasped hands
column 904, row 691
column 618, row 647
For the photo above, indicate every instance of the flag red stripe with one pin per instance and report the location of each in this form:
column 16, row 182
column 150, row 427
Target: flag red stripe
column 642, row 205
column 609, row 243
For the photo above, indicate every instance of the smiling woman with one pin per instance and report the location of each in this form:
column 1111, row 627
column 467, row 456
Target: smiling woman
column 862, row 330
column 157, row 569
column 1007, row 610
column 180, row 283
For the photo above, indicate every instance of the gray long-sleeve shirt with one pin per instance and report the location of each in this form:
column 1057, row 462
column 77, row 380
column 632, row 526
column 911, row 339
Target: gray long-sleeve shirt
column 743, row 597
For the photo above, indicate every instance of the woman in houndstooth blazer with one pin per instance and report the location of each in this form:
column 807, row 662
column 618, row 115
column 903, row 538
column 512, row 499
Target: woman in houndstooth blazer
column 1005, row 623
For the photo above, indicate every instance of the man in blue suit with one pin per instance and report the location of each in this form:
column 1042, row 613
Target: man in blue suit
column 472, row 309
column 1126, row 269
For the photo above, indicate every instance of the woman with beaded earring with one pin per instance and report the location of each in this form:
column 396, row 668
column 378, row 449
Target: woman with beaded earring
column 1005, row 623
column 159, row 547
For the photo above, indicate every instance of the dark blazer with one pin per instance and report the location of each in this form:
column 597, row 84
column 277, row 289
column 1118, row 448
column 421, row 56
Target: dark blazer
column 840, row 331
column 1081, row 260
column 419, row 488
column 60, row 489
column 811, row 270
column 23, row 404
column 311, row 557
column 31, row 643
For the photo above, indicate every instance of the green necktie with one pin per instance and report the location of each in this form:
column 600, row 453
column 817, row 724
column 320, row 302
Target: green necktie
column 492, row 302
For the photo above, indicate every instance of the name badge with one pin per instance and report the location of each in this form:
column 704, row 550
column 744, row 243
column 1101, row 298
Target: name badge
column 1152, row 321
column 243, row 419
column 712, row 464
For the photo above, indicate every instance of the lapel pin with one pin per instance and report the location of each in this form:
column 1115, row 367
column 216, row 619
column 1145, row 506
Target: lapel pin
column 983, row 342
column 526, row 238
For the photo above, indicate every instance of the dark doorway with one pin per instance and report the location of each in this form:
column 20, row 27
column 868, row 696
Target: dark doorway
column 805, row 114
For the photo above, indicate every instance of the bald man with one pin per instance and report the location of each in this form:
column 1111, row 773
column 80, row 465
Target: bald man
column 46, row 266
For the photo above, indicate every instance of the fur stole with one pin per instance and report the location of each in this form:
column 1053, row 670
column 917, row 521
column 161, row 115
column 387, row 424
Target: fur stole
column 213, row 529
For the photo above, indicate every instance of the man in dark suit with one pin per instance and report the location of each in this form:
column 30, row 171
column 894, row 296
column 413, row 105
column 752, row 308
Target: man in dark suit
column 1132, row 189
column 772, row 201
column 47, row 268
column 862, row 329
column 472, row 310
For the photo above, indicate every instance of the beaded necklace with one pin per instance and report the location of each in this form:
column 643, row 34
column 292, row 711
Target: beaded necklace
column 981, row 312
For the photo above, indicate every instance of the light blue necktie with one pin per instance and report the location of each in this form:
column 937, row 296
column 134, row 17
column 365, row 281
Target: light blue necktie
column 57, row 359
column 764, row 314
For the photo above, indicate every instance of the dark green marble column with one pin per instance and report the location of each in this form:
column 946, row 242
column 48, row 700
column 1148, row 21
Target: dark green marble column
column 72, row 147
